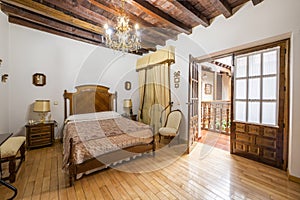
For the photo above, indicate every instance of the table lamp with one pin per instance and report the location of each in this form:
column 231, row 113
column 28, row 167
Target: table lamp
column 42, row 107
column 127, row 105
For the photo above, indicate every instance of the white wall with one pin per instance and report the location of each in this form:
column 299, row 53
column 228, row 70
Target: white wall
column 4, row 69
column 268, row 19
column 66, row 64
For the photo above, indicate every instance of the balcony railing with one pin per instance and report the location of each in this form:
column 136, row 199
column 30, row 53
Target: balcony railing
column 215, row 116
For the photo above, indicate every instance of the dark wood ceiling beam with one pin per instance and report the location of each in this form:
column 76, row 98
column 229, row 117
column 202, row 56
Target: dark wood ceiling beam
column 59, row 26
column 151, row 10
column 22, row 22
column 193, row 12
column 54, row 14
column 77, row 10
column 223, row 6
column 255, row 2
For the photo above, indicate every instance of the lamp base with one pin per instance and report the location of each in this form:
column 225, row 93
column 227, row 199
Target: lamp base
column 43, row 117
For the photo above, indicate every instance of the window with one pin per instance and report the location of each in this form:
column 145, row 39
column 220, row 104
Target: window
column 256, row 87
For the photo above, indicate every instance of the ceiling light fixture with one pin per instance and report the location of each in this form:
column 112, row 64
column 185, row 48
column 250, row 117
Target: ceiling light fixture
column 122, row 37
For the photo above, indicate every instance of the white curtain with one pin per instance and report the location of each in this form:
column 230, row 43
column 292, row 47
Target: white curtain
column 154, row 87
column 154, row 95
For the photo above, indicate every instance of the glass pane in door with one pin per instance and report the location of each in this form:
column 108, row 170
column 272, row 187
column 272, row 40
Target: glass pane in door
column 253, row 116
column 241, row 67
column 269, row 113
column 254, row 65
column 240, row 111
column 254, row 88
column 270, row 62
column 241, row 89
column 270, row 88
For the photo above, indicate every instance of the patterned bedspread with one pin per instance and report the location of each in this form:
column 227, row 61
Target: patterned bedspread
column 100, row 136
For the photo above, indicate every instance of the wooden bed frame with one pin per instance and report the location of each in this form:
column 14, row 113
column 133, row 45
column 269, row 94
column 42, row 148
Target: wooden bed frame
column 90, row 99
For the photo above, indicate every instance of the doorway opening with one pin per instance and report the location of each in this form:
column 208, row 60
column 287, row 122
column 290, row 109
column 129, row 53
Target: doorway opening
column 255, row 111
column 216, row 102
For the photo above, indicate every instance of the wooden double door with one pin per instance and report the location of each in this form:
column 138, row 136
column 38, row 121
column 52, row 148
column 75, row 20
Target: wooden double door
column 259, row 103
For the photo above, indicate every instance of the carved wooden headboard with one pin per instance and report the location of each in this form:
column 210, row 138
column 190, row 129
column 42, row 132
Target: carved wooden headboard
column 88, row 99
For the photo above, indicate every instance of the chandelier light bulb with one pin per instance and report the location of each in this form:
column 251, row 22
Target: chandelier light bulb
column 109, row 31
column 136, row 26
column 105, row 26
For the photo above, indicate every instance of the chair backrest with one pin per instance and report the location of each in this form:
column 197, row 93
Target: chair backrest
column 174, row 118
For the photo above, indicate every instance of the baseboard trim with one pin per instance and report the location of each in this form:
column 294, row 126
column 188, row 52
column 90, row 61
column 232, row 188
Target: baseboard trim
column 293, row 178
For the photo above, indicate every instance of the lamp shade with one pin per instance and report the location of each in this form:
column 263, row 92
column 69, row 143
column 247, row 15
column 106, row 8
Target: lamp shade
column 127, row 103
column 41, row 106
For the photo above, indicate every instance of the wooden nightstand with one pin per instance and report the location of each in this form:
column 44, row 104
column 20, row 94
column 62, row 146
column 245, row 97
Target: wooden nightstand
column 133, row 117
column 40, row 134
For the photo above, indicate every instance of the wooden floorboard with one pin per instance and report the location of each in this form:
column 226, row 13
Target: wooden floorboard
column 206, row 173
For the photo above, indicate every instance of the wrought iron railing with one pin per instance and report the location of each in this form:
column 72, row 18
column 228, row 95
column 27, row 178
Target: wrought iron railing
column 215, row 116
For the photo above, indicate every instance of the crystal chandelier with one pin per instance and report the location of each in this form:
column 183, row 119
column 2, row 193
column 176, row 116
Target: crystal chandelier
column 122, row 37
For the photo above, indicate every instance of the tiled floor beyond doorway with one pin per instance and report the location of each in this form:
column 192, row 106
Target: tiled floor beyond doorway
column 218, row 140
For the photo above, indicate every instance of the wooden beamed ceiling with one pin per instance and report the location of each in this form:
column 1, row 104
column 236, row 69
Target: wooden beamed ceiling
column 160, row 20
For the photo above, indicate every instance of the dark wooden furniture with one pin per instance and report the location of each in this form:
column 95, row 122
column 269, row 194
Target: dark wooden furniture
column 40, row 134
column 11, row 149
column 89, row 99
column 133, row 117
column 3, row 138
column 266, row 144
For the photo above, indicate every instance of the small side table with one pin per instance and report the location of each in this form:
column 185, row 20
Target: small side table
column 133, row 117
column 40, row 134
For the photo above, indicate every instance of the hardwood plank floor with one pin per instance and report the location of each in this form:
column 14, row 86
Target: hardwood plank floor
column 218, row 140
column 207, row 173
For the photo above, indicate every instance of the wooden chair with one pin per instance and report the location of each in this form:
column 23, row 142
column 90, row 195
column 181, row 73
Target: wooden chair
column 171, row 127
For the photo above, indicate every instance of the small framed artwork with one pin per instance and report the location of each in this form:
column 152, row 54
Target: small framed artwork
column 207, row 88
column 127, row 85
column 39, row 79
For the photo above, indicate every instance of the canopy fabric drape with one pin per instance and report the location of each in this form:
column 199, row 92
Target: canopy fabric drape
column 166, row 55
column 154, row 87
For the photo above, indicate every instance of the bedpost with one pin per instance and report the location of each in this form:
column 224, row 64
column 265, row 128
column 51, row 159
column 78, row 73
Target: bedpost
column 65, row 102
column 68, row 96
column 153, row 145
column 72, row 167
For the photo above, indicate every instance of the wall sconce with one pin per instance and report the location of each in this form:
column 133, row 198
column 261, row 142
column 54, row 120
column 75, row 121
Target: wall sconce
column 4, row 78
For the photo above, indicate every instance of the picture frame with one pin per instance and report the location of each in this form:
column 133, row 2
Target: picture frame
column 39, row 79
column 207, row 88
column 127, row 85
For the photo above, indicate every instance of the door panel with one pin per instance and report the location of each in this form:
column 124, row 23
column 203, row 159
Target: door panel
column 264, row 140
column 193, row 104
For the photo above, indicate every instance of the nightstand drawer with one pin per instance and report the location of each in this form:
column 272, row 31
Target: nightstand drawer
column 39, row 135
column 40, row 129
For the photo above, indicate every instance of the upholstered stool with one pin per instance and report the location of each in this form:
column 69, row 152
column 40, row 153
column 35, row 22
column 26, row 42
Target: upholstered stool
column 9, row 152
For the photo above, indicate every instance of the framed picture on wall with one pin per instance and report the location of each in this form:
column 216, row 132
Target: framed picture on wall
column 207, row 88
column 38, row 79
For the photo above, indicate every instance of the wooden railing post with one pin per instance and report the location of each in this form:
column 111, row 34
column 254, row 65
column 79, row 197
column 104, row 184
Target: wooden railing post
column 216, row 116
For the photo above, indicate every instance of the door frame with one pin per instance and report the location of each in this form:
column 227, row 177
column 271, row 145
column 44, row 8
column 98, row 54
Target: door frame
column 253, row 47
column 190, row 143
